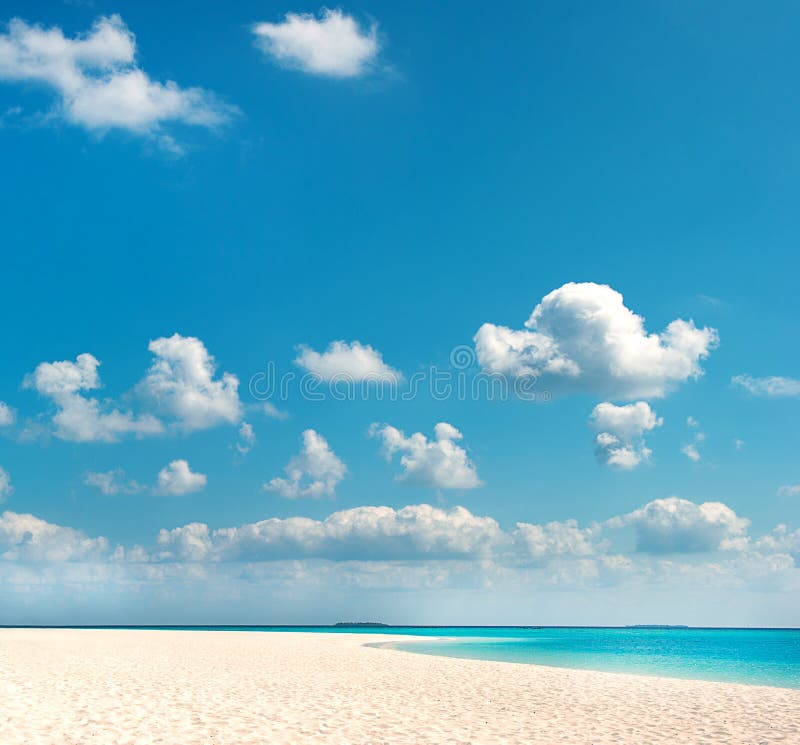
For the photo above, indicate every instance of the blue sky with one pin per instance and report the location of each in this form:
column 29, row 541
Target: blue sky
column 393, row 177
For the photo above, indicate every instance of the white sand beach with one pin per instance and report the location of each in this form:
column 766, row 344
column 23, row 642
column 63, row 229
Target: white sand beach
column 182, row 687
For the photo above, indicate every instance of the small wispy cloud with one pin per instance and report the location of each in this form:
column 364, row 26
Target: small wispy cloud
column 7, row 415
column 692, row 449
column 711, row 300
column 773, row 386
column 6, row 489
column 112, row 482
column 246, row 439
column 691, row 452
column 271, row 411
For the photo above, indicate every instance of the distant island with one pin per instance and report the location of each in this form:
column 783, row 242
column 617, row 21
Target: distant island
column 360, row 624
column 655, row 626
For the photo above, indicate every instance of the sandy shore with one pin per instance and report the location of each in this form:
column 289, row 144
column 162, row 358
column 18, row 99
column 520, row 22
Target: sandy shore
column 181, row 687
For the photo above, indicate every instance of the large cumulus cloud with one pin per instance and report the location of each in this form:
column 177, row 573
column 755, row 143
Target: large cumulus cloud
column 582, row 337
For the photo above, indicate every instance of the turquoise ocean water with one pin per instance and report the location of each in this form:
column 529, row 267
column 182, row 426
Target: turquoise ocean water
column 753, row 656
column 756, row 657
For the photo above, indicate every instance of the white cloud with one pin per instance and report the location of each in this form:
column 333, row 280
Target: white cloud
column 28, row 538
column 333, row 44
column 692, row 449
column 272, row 412
column 190, row 542
column 355, row 362
column 629, row 421
column 7, row 415
column 112, row 482
column 363, row 533
column 79, row 418
column 181, row 384
column 416, row 547
column 739, row 445
column 675, row 525
column 247, row 438
column 590, row 571
column 691, row 452
column 614, row 452
column 620, row 441
column 177, row 479
column 421, row 532
column 6, row 489
column 440, row 463
column 582, row 337
column 781, row 539
column 771, row 387
column 789, row 490
column 314, row 472
column 98, row 82
column 557, row 539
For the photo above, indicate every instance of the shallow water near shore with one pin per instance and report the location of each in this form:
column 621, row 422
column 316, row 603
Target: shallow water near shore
column 757, row 657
